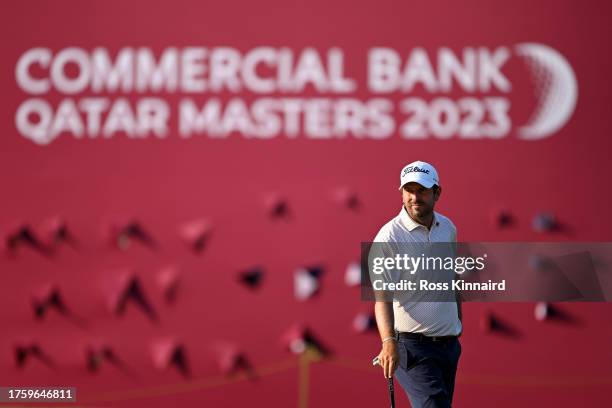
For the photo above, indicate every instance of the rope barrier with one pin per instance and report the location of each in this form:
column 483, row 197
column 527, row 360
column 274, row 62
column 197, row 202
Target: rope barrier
column 303, row 362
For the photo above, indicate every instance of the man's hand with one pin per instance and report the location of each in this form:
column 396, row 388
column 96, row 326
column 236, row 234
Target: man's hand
column 389, row 358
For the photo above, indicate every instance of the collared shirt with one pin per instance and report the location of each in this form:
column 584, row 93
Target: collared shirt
column 428, row 318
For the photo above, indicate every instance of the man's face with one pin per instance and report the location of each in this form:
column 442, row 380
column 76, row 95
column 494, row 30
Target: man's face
column 418, row 200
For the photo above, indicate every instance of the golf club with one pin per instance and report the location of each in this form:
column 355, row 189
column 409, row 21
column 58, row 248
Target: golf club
column 375, row 362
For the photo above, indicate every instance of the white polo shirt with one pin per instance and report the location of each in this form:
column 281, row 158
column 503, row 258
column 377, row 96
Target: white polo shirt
column 428, row 318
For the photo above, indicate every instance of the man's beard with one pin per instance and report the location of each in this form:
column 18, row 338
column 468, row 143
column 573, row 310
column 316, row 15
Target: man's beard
column 422, row 212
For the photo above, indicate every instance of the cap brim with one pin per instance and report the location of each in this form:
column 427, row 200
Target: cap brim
column 424, row 183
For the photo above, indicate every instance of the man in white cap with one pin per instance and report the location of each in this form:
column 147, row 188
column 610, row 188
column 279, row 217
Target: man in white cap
column 420, row 339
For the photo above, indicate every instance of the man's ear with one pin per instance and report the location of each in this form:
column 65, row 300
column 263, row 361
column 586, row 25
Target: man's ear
column 437, row 193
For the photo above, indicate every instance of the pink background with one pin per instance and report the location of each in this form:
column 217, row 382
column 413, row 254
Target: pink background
column 164, row 183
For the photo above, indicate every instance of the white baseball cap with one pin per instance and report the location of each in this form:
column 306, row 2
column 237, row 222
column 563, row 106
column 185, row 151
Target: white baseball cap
column 419, row 172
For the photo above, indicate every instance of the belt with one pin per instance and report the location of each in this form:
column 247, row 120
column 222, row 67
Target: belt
column 422, row 337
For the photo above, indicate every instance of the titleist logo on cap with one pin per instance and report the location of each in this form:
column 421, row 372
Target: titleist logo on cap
column 417, row 169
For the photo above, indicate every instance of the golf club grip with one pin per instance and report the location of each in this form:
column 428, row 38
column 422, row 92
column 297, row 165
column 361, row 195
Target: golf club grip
column 392, row 392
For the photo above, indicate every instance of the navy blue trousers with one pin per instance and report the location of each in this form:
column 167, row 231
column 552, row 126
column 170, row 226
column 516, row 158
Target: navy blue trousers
column 427, row 371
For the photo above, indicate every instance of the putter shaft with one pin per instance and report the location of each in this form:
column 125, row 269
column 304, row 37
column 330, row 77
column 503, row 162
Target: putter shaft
column 375, row 362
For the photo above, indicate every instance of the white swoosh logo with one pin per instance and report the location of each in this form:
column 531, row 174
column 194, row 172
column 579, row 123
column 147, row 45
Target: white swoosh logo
column 557, row 90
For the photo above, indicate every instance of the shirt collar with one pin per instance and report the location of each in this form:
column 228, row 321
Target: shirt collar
column 412, row 224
